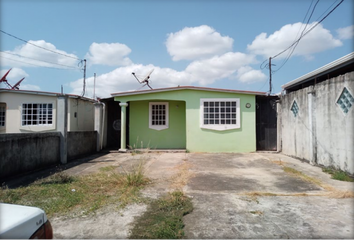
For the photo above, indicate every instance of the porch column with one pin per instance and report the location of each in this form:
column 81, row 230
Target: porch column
column 123, row 144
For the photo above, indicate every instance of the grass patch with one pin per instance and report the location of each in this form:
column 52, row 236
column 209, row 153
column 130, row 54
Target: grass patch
column 338, row 175
column 302, row 176
column 61, row 193
column 163, row 219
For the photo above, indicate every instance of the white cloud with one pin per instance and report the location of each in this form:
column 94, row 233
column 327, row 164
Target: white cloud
column 209, row 70
column 121, row 79
column 249, row 75
column 30, row 87
column 111, row 54
column 346, row 32
column 318, row 40
column 197, row 42
column 32, row 56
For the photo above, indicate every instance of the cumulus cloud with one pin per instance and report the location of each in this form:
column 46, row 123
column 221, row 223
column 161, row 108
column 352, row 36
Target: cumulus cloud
column 209, row 70
column 121, row 79
column 346, row 32
column 249, row 75
column 318, row 40
column 28, row 55
column 197, row 42
column 30, row 87
column 111, row 54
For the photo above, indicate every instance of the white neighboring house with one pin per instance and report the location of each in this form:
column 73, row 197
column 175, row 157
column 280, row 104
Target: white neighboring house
column 23, row 111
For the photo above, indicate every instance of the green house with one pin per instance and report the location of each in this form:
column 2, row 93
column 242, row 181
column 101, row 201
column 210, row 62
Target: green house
column 197, row 119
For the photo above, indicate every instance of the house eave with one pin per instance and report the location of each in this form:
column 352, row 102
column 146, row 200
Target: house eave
column 130, row 93
column 40, row 93
column 339, row 63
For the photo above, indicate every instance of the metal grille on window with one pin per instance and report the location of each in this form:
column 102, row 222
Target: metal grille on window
column 158, row 114
column 345, row 101
column 220, row 113
column 295, row 109
column 37, row 114
column 2, row 116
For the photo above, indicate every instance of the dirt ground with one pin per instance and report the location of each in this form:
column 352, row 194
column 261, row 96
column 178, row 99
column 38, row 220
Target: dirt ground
column 234, row 196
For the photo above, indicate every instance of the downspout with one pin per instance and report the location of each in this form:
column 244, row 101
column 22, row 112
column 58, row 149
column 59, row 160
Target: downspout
column 102, row 127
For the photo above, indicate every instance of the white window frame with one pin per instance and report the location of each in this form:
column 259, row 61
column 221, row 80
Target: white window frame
column 46, row 116
column 158, row 127
column 220, row 126
column 2, row 116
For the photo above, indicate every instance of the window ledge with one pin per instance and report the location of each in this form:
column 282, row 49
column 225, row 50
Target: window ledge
column 158, row 128
column 220, row 127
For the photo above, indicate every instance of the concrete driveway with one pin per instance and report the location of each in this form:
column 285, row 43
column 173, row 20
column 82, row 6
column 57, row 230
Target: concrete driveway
column 234, row 196
column 250, row 196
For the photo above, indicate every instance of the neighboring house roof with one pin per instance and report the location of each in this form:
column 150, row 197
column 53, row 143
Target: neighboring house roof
column 338, row 67
column 5, row 90
column 186, row 88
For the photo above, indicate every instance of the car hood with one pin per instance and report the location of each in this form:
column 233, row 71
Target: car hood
column 18, row 221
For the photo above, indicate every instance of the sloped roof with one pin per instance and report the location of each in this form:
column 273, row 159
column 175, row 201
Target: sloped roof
column 186, row 88
column 336, row 65
column 41, row 93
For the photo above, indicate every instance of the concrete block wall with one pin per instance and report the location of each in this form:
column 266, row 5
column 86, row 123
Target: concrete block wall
column 321, row 133
column 25, row 152
column 81, row 143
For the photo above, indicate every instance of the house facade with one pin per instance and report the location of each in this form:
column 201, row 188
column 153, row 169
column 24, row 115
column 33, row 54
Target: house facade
column 34, row 111
column 317, row 116
column 192, row 118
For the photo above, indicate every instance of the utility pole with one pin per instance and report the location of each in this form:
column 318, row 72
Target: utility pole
column 84, row 85
column 270, row 75
column 94, row 85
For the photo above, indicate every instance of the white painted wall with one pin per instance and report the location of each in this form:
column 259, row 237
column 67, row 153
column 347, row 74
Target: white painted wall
column 14, row 103
column 84, row 120
column 321, row 133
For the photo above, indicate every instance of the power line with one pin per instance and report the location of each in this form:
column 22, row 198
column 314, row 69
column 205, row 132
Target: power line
column 308, row 30
column 31, row 63
column 302, row 33
column 39, row 46
column 14, row 54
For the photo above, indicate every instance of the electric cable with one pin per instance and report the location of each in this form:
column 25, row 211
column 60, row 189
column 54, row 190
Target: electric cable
column 31, row 63
column 39, row 46
column 308, row 30
column 14, row 54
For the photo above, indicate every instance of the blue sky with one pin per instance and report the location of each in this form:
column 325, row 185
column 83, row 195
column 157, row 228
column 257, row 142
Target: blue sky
column 208, row 43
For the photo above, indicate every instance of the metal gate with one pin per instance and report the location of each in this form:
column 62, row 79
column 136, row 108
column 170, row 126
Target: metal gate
column 266, row 123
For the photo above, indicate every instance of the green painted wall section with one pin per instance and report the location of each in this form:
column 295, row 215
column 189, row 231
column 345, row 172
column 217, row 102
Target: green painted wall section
column 141, row 136
column 197, row 139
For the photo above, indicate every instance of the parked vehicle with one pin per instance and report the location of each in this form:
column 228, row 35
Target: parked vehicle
column 24, row 222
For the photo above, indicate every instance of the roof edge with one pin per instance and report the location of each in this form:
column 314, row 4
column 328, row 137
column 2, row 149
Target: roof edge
column 45, row 93
column 336, row 63
column 185, row 88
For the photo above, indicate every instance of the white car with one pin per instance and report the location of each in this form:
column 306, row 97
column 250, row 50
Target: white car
column 17, row 221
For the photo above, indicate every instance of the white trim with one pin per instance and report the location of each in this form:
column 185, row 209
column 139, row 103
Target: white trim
column 220, row 127
column 159, row 127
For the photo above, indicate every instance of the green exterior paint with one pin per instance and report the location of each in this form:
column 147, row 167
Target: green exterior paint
column 141, row 136
column 196, row 139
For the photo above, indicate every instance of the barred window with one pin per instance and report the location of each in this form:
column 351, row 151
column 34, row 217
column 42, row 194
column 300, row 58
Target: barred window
column 158, row 115
column 220, row 114
column 37, row 114
column 2, row 116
